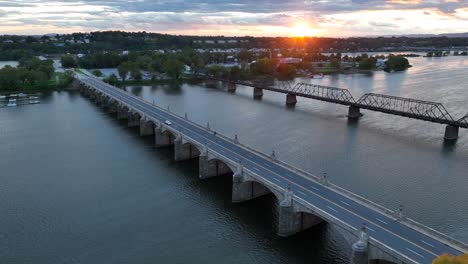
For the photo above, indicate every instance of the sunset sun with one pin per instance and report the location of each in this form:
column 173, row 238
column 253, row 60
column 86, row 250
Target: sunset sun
column 301, row 30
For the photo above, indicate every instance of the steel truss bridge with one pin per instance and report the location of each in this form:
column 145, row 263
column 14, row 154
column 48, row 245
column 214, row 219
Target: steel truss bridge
column 407, row 107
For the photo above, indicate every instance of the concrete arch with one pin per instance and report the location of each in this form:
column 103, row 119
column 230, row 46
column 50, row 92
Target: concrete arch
column 210, row 166
column 185, row 150
column 163, row 137
column 245, row 190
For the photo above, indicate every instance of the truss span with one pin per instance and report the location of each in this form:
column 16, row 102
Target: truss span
column 418, row 109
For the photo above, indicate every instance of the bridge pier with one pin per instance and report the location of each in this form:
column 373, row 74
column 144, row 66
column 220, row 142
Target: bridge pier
column 112, row 107
column 451, row 132
column 291, row 99
column 231, row 87
column 184, row 151
column 360, row 253
column 146, row 127
column 122, row 113
column 133, row 119
column 354, row 112
column 162, row 139
column 291, row 222
column 257, row 93
column 243, row 191
column 211, row 168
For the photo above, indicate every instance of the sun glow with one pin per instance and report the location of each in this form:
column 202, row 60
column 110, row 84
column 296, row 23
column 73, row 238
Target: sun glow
column 302, row 30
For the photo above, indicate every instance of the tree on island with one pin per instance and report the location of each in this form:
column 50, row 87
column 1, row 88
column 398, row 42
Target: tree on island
column 367, row 63
column 396, row 63
column 173, row 68
column 68, row 61
column 123, row 70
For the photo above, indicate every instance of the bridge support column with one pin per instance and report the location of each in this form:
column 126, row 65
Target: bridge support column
column 211, row 168
column 184, row 151
column 133, row 119
column 291, row 99
column 257, row 93
column 451, row 132
column 122, row 113
column 162, row 139
column 291, row 222
column 360, row 254
column 112, row 107
column 354, row 112
column 244, row 191
column 231, row 87
column 146, row 127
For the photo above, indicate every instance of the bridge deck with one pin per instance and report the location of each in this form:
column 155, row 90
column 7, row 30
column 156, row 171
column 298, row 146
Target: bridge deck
column 403, row 238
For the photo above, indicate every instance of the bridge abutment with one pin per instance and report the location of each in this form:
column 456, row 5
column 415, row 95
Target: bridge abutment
column 451, row 132
column 146, row 127
column 354, row 112
column 211, row 168
column 291, row 222
column 162, row 139
column 291, row 99
column 257, row 93
column 243, row 191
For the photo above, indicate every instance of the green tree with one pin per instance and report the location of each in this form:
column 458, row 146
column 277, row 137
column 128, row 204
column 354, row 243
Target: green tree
column 112, row 79
column 396, row 63
column 135, row 73
column 68, row 61
column 235, row 73
column 9, row 79
column 335, row 63
column 263, row 67
column 367, row 63
column 97, row 73
column 173, row 68
column 448, row 259
column 123, row 70
column 286, row 71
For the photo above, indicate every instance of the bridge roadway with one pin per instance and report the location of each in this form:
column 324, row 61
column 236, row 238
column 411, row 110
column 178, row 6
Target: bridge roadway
column 413, row 244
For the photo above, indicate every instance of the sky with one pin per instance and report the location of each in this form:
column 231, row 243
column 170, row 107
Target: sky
column 337, row 18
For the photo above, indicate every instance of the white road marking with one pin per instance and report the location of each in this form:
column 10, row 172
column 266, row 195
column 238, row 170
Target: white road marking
column 331, row 208
column 345, row 203
column 267, row 165
column 382, row 221
column 255, row 168
column 275, row 179
column 414, row 252
column 314, row 188
column 427, row 243
column 301, row 193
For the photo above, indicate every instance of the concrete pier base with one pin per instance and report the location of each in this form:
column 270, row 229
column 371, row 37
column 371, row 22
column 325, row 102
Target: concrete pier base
column 354, row 112
column 112, row 107
column 162, row 139
column 245, row 191
column 290, row 222
column 184, row 151
column 291, row 99
column 212, row 168
column 451, row 132
column 257, row 93
column 122, row 113
column 133, row 119
column 146, row 127
column 360, row 253
column 231, row 87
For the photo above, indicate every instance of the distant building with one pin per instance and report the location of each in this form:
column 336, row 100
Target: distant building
column 209, row 42
column 289, row 60
column 221, row 41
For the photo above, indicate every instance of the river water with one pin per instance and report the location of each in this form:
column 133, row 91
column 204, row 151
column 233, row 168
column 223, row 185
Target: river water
column 77, row 186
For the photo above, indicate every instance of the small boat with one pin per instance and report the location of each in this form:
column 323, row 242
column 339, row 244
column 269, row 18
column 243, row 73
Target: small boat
column 22, row 95
column 33, row 97
column 11, row 102
column 34, row 102
column 316, row 76
column 2, row 97
column 13, row 95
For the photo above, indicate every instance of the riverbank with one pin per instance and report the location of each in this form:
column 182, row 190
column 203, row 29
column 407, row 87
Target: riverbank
column 59, row 81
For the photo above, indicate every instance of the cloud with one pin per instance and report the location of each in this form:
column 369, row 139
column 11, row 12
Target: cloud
column 241, row 17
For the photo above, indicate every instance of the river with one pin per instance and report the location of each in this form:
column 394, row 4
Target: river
column 77, row 186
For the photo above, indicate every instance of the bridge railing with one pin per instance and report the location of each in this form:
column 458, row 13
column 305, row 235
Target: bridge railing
column 357, row 198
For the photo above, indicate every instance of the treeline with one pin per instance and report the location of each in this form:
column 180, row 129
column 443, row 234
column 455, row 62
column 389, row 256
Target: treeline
column 137, row 41
column 31, row 73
